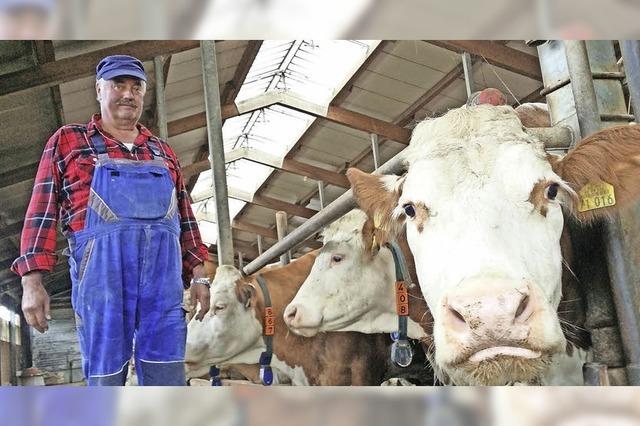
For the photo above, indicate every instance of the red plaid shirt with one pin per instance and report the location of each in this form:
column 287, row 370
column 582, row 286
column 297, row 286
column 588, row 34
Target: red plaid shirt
column 61, row 192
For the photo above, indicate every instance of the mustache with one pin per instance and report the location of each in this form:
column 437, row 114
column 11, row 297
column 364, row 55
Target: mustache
column 127, row 103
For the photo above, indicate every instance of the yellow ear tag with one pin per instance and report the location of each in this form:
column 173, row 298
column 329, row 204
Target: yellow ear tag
column 377, row 221
column 596, row 195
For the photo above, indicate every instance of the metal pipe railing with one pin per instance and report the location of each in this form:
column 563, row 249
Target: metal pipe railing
column 621, row 267
column 338, row 208
column 554, row 138
column 584, row 92
column 216, row 151
column 631, row 55
column 621, row 271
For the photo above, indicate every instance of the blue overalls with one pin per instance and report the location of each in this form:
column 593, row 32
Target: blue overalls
column 126, row 273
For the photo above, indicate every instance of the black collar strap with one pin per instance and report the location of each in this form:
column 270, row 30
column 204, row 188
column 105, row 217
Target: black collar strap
column 268, row 329
column 401, row 352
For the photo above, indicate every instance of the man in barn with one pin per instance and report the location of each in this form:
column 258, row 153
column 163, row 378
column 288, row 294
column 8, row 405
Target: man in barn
column 119, row 195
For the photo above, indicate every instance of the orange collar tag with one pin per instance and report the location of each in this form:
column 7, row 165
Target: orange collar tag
column 269, row 322
column 402, row 299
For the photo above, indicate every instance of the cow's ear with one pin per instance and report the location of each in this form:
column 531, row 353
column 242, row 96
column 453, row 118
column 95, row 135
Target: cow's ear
column 246, row 294
column 378, row 196
column 604, row 170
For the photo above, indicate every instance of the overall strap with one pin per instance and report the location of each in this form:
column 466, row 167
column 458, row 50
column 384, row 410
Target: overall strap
column 154, row 147
column 98, row 143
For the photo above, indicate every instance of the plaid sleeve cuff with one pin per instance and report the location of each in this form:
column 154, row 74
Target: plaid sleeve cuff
column 34, row 262
column 194, row 257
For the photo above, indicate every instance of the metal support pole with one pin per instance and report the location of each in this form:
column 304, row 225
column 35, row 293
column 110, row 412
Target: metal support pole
column 375, row 148
column 240, row 261
column 556, row 137
column 622, row 270
column 621, row 242
column 281, row 228
column 584, row 92
column 321, row 194
column 259, row 238
column 467, row 66
column 216, row 150
column 161, row 113
column 631, row 54
column 338, row 208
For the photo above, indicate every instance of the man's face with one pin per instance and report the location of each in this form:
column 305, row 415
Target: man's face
column 121, row 99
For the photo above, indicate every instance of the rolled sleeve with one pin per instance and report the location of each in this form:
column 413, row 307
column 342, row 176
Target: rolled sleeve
column 38, row 239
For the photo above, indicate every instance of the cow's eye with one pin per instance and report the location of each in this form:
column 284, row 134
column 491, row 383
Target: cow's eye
column 409, row 210
column 552, row 191
column 336, row 258
column 217, row 308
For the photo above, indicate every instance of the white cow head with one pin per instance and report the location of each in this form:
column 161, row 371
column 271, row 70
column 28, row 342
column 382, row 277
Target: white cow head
column 483, row 205
column 230, row 332
column 350, row 287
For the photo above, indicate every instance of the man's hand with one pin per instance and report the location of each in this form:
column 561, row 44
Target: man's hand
column 35, row 301
column 199, row 292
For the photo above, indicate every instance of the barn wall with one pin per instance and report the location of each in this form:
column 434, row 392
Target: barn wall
column 57, row 351
column 5, row 351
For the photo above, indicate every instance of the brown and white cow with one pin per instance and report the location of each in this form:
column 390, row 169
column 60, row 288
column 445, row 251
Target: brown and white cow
column 483, row 205
column 231, row 333
column 351, row 287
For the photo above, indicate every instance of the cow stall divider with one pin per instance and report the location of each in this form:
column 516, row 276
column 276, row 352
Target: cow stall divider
column 583, row 87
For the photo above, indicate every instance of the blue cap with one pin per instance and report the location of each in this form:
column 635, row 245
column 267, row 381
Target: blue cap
column 46, row 5
column 120, row 65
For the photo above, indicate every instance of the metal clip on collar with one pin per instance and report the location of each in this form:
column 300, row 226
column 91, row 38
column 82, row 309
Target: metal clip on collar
column 214, row 372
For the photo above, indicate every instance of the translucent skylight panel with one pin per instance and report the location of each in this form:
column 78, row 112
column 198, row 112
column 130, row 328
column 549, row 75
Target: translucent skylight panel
column 205, row 212
column 246, row 175
column 311, row 70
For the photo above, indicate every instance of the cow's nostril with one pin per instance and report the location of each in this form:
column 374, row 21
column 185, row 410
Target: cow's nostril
column 522, row 307
column 457, row 315
column 291, row 313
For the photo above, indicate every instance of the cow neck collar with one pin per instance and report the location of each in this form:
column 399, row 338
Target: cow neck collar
column 401, row 352
column 268, row 330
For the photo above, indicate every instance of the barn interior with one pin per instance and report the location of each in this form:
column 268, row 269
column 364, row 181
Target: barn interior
column 294, row 116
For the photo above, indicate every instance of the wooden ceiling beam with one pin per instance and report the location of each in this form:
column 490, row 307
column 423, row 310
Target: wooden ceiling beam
column 84, row 65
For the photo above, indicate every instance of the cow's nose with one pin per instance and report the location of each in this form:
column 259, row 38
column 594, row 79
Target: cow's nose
column 291, row 315
column 495, row 314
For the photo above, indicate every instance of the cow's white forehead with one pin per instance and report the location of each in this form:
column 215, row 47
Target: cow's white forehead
column 346, row 229
column 454, row 131
column 472, row 148
column 225, row 279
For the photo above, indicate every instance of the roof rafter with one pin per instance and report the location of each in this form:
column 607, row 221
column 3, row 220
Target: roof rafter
column 68, row 69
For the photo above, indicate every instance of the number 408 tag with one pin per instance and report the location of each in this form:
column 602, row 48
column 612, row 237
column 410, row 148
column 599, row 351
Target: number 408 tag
column 596, row 195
